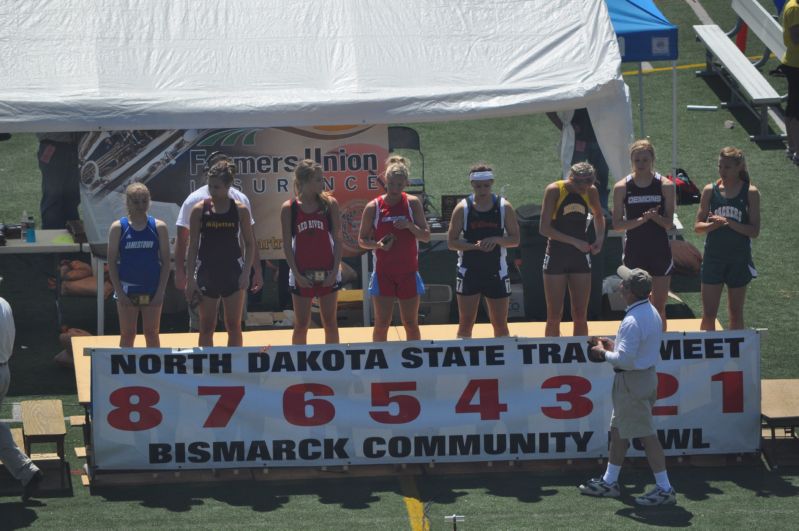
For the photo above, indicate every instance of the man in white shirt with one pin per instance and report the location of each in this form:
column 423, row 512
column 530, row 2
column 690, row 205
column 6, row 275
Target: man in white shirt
column 634, row 357
column 18, row 464
column 182, row 240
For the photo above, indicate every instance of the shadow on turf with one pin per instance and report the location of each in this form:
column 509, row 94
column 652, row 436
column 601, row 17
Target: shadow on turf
column 261, row 496
column 17, row 515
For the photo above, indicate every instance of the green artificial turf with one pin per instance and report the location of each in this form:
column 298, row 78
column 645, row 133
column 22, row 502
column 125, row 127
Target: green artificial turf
column 523, row 153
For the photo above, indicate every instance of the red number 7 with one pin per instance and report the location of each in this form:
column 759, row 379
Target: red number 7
column 229, row 400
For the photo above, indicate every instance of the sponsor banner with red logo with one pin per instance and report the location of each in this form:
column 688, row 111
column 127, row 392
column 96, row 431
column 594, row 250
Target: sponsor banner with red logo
column 172, row 165
column 409, row 402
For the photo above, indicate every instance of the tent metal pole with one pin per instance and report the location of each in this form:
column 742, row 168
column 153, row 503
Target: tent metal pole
column 641, row 99
column 674, row 118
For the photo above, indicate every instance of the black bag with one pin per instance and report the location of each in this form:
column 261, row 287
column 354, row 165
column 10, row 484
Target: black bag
column 687, row 192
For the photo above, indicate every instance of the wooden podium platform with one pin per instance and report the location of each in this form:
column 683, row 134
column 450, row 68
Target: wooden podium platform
column 779, row 408
column 262, row 338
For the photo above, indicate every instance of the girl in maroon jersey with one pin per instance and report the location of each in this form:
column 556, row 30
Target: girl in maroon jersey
column 219, row 268
column 391, row 226
column 643, row 207
column 312, row 223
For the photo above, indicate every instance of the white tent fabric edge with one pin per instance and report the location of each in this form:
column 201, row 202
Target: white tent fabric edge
column 80, row 65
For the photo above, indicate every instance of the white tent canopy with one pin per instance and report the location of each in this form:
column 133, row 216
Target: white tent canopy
column 79, row 65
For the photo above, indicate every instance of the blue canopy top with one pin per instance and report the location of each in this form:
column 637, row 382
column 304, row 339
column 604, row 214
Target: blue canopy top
column 644, row 33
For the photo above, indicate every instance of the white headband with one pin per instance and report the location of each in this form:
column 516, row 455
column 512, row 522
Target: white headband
column 481, row 176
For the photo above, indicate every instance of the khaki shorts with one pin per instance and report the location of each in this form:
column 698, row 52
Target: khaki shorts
column 634, row 394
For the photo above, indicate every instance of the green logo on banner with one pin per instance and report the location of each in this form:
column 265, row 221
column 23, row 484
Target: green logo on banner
column 230, row 137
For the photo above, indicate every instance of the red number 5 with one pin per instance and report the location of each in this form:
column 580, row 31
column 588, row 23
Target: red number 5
column 409, row 407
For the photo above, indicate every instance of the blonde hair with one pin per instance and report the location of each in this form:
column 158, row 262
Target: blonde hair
column 642, row 145
column 397, row 166
column 303, row 173
column 133, row 190
column 735, row 154
column 582, row 169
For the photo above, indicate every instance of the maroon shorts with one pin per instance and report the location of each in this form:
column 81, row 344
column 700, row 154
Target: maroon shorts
column 315, row 291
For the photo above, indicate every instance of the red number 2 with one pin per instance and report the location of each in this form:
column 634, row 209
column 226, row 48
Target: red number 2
column 667, row 386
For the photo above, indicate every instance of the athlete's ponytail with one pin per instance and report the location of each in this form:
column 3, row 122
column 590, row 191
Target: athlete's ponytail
column 305, row 171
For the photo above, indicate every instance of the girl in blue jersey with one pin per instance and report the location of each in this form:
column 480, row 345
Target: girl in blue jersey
column 138, row 265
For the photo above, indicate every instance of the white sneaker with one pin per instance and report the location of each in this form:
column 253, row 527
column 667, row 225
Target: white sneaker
column 657, row 496
column 600, row 488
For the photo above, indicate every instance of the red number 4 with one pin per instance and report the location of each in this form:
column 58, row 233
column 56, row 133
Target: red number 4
column 488, row 406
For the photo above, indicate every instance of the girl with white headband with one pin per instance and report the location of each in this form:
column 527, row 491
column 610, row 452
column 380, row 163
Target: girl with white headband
column 391, row 226
column 567, row 263
column 482, row 227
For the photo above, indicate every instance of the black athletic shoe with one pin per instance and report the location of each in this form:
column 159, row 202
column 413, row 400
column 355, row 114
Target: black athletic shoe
column 32, row 486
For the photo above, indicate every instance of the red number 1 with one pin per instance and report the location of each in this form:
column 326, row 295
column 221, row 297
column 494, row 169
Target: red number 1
column 732, row 391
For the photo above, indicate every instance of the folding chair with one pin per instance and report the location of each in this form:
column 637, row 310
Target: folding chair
column 402, row 137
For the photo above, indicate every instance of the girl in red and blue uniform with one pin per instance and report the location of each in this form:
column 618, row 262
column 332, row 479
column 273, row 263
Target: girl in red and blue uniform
column 391, row 226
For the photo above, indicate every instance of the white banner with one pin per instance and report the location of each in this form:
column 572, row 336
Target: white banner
column 409, row 402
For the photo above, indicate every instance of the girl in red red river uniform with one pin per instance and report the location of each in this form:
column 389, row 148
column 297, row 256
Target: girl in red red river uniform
column 312, row 223
column 391, row 226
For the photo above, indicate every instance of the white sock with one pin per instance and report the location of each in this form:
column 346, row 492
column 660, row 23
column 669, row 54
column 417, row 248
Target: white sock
column 662, row 480
column 612, row 473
